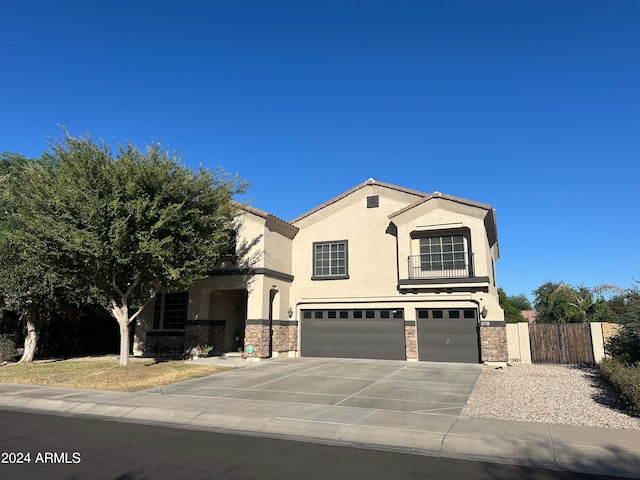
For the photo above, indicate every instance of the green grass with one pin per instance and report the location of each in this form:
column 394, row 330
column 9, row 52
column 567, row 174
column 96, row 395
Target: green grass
column 105, row 374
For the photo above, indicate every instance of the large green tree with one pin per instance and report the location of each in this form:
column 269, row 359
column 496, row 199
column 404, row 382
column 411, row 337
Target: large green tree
column 130, row 223
column 28, row 284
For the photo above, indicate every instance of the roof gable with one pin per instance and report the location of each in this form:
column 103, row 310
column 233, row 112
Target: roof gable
column 437, row 195
column 371, row 181
column 489, row 217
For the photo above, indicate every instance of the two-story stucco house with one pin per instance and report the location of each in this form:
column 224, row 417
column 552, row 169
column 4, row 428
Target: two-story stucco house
column 380, row 272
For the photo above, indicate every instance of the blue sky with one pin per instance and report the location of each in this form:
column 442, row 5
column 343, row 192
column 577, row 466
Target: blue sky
column 530, row 106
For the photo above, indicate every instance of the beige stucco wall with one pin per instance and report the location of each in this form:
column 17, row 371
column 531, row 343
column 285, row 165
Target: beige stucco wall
column 251, row 228
column 375, row 259
column 271, row 250
column 440, row 214
column 377, row 256
column 597, row 339
column 277, row 253
column 518, row 344
column 371, row 251
column 609, row 330
column 202, row 305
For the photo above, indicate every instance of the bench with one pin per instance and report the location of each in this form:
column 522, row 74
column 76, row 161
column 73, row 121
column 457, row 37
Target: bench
column 164, row 344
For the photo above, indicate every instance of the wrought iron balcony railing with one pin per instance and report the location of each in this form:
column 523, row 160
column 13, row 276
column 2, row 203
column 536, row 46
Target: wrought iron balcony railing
column 423, row 267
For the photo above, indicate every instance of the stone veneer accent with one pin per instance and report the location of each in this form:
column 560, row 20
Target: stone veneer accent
column 293, row 335
column 256, row 333
column 411, row 340
column 204, row 332
column 280, row 338
column 285, row 336
column 493, row 341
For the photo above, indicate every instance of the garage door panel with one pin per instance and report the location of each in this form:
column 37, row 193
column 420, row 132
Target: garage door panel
column 444, row 341
column 337, row 351
column 456, row 326
column 451, row 355
column 353, row 338
column 381, row 327
column 448, row 339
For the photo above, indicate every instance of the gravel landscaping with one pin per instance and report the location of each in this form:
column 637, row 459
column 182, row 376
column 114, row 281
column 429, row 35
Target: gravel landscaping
column 560, row 394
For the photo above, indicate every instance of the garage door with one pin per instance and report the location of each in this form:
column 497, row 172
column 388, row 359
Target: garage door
column 377, row 334
column 448, row 335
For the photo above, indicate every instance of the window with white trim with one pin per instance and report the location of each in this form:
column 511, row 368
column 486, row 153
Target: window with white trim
column 330, row 260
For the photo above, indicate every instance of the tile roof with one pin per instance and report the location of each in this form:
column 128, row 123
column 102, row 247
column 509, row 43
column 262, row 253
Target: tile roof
column 266, row 215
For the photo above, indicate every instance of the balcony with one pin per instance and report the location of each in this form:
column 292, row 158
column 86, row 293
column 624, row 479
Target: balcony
column 420, row 268
column 456, row 275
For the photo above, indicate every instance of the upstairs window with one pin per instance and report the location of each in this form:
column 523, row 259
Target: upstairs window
column 330, row 260
column 445, row 253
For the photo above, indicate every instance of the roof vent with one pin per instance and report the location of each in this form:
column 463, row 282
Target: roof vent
column 436, row 194
column 371, row 180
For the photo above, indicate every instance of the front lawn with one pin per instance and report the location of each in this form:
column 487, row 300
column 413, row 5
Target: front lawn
column 105, row 373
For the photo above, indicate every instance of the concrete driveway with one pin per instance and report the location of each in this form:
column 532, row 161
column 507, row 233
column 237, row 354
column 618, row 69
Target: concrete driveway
column 418, row 387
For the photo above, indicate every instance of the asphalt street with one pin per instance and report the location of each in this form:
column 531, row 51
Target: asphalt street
column 57, row 447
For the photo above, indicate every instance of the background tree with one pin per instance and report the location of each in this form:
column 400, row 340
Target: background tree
column 549, row 309
column 135, row 223
column 562, row 303
column 521, row 302
column 624, row 308
column 511, row 313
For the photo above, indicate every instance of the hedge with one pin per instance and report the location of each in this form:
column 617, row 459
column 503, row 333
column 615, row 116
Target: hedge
column 625, row 379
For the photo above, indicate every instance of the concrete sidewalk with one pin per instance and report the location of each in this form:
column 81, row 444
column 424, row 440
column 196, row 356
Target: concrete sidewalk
column 354, row 423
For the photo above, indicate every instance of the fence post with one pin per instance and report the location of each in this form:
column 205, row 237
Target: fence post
column 525, row 344
column 597, row 338
column 513, row 343
column 518, row 343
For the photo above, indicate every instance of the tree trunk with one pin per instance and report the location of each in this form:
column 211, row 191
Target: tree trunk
column 33, row 332
column 124, row 343
column 121, row 315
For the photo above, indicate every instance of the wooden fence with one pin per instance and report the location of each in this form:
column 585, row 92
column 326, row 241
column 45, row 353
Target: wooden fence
column 566, row 343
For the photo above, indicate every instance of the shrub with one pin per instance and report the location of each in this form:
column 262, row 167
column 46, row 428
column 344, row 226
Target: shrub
column 7, row 347
column 625, row 345
column 625, row 380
